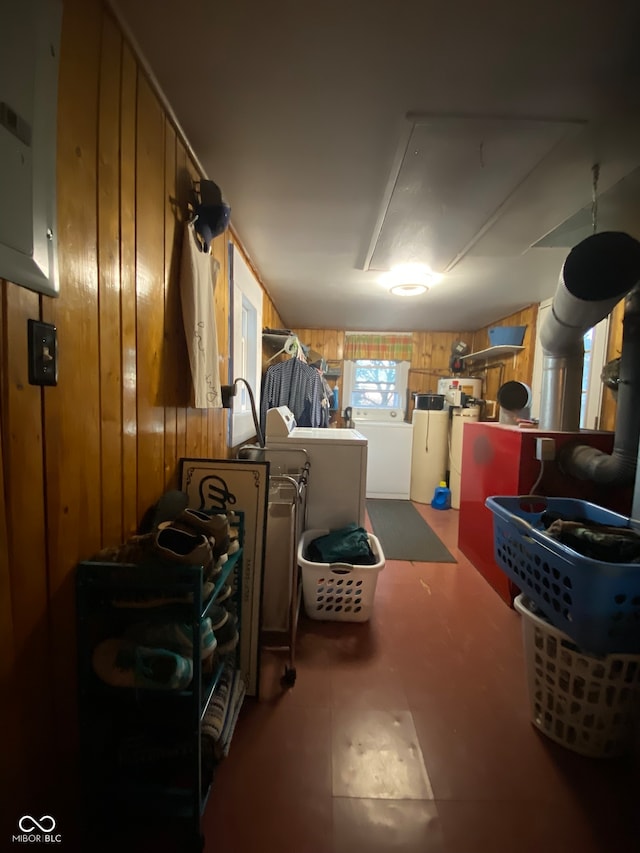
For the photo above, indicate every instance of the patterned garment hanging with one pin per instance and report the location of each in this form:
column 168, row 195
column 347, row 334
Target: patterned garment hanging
column 294, row 384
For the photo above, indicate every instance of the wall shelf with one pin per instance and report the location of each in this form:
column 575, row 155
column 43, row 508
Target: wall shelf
column 491, row 352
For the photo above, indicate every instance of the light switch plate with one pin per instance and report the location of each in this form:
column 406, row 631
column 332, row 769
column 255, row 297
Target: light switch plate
column 43, row 353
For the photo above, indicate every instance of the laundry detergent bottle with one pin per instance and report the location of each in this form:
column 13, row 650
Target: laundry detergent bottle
column 441, row 497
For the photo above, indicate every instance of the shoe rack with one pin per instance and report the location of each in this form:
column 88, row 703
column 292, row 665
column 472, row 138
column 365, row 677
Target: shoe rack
column 142, row 748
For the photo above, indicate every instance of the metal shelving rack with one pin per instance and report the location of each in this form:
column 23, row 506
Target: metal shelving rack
column 118, row 723
column 287, row 489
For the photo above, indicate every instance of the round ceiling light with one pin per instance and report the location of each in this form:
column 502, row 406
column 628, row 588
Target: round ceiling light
column 408, row 289
column 409, row 279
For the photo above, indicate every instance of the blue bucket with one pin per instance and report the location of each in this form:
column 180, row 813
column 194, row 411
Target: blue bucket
column 506, row 336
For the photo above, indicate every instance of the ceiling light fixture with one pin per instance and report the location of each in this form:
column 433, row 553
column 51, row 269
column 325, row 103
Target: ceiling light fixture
column 409, row 279
column 408, row 289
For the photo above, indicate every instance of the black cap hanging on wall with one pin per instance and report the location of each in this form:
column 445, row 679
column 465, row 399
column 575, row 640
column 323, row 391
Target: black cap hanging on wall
column 211, row 215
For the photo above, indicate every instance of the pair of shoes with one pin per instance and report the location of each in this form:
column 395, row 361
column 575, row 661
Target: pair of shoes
column 225, row 594
column 225, row 627
column 175, row 636
column 167, row 544
column 214, row 527
column 122, row 663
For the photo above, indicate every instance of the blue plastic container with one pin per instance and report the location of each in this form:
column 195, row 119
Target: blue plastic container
column 596, row 604
column 506, row 336
column 441, row 498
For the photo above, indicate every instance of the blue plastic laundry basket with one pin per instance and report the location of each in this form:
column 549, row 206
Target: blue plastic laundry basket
column 596, row 604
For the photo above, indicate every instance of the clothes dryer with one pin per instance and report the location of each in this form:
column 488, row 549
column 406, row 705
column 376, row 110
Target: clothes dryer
column 338, row 468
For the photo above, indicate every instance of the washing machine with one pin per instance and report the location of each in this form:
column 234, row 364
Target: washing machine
column 336, row 491
column 389, row 452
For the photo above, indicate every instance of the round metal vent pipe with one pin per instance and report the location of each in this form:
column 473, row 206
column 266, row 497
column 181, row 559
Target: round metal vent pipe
column 619, row 467
column 597, row 273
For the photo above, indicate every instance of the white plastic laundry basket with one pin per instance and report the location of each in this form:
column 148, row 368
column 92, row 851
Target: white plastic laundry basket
column 338, row 592
column 588, row 704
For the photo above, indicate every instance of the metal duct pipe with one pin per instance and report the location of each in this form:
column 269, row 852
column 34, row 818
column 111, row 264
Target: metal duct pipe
column 587, row 463
column 595, row 275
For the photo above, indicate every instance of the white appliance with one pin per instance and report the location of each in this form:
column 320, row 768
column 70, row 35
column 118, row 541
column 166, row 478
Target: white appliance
column 389, row 454
column 429, row 452
column 459, row 419
column 338, row 468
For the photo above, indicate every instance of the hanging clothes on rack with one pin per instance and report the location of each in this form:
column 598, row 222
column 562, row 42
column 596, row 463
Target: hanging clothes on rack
column 295, row 384
column 278, row 346
column 327, row 391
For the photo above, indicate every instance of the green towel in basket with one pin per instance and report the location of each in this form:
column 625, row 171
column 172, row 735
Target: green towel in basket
column 348, row 545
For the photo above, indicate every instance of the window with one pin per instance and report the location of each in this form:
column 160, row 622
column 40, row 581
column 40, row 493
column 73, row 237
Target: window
column 246, row 295
column 586, row 373
column 376, row 384
column 595, row 356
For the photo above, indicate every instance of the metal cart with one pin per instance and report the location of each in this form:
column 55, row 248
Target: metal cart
column 281, row 592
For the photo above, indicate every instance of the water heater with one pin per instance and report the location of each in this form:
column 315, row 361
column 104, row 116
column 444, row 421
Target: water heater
column 429, row 451
column 468, row 385
column 459, row 418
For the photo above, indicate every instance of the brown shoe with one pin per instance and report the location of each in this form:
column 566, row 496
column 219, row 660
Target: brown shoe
column 135, row 550
column 168, row 543
column 172, row 543
column 214, row 527
column 169, row 546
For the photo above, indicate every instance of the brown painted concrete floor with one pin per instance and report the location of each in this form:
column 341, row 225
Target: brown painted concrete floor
column 412, row 732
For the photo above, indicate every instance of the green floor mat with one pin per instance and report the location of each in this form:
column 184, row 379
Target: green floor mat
column 404, row 534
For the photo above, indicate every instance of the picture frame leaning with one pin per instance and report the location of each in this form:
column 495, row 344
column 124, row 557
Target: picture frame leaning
column 224, row 485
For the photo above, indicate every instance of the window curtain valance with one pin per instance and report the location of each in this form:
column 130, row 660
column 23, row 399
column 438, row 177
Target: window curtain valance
column 383, row 347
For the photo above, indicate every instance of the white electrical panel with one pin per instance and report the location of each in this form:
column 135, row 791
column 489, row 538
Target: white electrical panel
column 29, row 58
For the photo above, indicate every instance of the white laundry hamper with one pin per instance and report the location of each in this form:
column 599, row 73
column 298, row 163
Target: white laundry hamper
column 340, row 592
column 587, row 704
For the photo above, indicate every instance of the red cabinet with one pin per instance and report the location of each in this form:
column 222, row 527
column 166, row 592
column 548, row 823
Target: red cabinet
column 499, row 459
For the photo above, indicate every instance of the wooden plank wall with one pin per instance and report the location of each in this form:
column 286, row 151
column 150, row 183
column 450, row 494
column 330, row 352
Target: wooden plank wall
column 520, row 367
column 328, row 342
column 431, row 356
column 270, row 317
column 432, row 352
column 517, row 367
column 81, row 462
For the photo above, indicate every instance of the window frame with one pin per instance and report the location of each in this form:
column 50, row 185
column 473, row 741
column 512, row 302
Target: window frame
column 246, row 355
column 401, row 384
